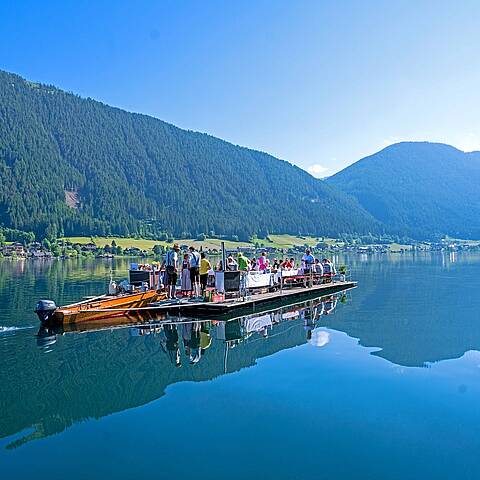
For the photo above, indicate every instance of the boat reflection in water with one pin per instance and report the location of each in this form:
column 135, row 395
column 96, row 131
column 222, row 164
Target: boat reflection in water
column 108, row 369
column 187, row 340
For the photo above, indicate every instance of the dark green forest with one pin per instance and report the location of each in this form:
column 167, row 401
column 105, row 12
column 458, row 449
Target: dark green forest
column 418, row 189
column 74, row 166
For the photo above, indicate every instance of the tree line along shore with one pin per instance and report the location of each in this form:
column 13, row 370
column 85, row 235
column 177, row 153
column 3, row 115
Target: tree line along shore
column 109, row 247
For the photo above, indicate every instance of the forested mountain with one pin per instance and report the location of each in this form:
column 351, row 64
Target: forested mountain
column 418, row 189
column 76, row 166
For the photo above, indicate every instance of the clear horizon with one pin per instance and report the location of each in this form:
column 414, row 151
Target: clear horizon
column 314, row 83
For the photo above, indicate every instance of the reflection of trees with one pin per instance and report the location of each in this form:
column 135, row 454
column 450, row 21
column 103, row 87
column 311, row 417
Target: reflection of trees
column 92, row 375
column 95, row 374
column 413, row 328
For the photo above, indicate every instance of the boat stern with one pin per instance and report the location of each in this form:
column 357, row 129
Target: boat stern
column 45, row 310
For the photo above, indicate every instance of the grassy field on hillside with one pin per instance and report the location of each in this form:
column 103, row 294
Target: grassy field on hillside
column 122, row 242
column 149, row 244
column 276, row 241
column 212, row 243
column 285, row 241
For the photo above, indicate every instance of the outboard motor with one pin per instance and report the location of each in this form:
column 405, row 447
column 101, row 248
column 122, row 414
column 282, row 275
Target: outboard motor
column 44, row 309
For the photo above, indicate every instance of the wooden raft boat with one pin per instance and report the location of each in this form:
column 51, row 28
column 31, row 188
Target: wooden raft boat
column 142, row 288
column 97, row 308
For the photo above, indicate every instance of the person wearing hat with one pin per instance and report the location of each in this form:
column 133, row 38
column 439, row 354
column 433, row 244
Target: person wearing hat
column 171, row 263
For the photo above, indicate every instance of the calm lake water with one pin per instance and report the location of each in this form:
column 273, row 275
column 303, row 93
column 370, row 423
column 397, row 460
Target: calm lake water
column 380, row 383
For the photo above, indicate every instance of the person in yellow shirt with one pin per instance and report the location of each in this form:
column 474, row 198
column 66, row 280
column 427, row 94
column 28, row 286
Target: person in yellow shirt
column 205, row 266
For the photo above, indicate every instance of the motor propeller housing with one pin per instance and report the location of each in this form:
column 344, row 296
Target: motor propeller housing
column 45, row 309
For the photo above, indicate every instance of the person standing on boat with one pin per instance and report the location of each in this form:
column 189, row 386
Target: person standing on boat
column 194, row 260
column 171, row 262
column 243, row 266
column 186, row 281
column 263, row 262
column 308, row 261
column 231, row 263
column 205, row 267
column 242, row 262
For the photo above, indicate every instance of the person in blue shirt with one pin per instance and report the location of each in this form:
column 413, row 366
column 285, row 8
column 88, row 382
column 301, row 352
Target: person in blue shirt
column 307, row 261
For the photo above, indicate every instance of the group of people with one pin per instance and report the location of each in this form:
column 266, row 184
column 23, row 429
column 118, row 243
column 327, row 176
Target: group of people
column 260, row 264
column 311, row 264
column 195, row 268
column 308, row 264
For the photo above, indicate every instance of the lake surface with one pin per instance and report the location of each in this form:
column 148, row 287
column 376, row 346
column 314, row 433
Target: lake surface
column 382, row 382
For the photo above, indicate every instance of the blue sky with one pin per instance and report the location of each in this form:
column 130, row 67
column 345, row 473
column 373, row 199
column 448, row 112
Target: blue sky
column 318, row 83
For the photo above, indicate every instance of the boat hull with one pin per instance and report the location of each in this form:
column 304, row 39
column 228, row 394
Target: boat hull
column 104, row 308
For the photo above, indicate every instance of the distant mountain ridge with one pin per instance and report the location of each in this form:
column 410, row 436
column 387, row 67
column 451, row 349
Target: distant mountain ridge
column 420, row 189
column 74, row 166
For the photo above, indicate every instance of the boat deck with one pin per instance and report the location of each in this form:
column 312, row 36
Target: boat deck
column 199, row 308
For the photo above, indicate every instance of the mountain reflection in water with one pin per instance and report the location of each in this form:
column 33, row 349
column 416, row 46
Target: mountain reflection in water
column 412, row 310
column 74, row 376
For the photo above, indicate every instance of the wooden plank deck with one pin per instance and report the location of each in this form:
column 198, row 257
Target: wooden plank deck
column 228, row 306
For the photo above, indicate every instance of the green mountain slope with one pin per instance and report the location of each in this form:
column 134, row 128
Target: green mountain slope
column 418, row 189
column 76, row 166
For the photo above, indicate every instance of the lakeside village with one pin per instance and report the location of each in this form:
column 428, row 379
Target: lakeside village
column 93, row 248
